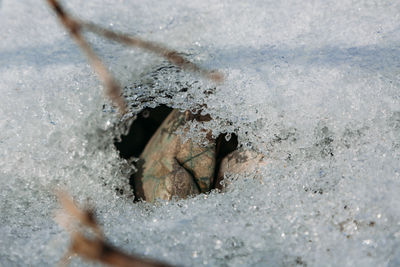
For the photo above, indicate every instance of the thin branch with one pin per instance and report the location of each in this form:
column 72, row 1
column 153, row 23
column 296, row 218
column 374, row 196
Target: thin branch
column 114, row 91
column 86, row 218
column 169, row 54
column 95, row 248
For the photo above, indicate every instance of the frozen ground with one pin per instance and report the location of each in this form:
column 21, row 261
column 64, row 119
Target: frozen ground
column 312, row 84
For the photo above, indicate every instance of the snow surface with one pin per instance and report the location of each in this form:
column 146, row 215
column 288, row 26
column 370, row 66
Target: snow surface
column 314, row 85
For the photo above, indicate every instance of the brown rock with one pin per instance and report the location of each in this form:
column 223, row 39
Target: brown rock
column 169, row 168
column 239, row 162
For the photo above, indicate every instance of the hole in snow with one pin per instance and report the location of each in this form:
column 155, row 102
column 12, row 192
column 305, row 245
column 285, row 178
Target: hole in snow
column 145, row 126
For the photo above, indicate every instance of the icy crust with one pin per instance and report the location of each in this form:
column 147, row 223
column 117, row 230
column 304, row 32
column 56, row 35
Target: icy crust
column 313, row 86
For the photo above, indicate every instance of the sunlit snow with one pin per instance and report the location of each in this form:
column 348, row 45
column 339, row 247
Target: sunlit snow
column 314, row 85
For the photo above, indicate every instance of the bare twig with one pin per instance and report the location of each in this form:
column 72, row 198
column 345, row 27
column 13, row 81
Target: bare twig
column 86, row 218
column 95, row 249
column 114, row 92
column 171, row 55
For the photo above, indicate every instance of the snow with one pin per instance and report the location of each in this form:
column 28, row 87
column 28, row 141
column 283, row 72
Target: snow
column 314, row 85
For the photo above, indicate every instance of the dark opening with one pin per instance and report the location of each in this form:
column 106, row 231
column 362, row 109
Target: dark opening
column 142, row 129
column 223, row 149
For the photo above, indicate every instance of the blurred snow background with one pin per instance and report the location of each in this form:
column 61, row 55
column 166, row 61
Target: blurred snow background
column 314, row 85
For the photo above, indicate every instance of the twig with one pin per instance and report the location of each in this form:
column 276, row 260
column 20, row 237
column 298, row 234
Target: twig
column 95, row 249
column 171, row 55
column 86, row 218
column 114, row 92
